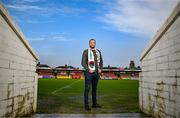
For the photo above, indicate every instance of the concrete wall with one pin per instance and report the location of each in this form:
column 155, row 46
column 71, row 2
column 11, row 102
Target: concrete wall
column 159, row 90
column 18, row 77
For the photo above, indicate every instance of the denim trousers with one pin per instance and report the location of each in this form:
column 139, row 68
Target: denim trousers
column 91, row 79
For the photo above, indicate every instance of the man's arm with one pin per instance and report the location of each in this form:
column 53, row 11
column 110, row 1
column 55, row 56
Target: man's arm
column 84, row 60
column 101, row 61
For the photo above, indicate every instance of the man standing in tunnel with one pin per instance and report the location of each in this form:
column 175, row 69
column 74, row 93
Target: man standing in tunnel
column 93, row 64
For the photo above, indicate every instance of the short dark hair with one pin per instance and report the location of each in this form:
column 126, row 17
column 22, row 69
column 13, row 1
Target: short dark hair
column 92, row 40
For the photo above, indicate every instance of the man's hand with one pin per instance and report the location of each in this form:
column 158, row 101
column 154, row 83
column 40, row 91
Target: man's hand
column 99, row 71
column 90, row 71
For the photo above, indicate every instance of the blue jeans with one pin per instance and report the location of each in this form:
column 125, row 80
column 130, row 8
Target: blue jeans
column 90, row 79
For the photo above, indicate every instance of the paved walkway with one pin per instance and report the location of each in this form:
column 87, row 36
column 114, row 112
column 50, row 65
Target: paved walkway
column 114, row 115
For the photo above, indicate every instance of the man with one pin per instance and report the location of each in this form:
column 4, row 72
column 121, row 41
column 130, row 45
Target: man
column 93, row 64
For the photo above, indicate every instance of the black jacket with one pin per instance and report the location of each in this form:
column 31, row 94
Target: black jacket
column 84, row 61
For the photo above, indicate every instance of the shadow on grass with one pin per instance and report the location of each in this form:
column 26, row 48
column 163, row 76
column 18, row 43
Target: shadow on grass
column 116, row 96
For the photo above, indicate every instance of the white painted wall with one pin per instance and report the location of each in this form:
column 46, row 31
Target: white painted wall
column 18, row 77
column 159, row 90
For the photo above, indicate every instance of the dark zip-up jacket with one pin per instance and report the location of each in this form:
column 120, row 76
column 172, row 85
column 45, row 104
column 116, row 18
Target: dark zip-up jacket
column 84, row 61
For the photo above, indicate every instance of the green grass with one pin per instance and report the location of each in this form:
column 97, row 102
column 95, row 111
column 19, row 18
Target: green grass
column 114, row 95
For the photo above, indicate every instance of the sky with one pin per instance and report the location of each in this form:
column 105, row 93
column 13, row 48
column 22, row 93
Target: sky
column 59, row 30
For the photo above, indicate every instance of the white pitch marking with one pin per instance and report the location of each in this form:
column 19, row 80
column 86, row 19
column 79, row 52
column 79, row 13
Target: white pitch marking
column 67, row 86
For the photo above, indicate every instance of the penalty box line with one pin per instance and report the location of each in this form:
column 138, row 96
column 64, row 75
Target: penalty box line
column 64, row 87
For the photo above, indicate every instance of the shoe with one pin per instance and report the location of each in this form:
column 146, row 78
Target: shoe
column 96, row 106
column 87, row 108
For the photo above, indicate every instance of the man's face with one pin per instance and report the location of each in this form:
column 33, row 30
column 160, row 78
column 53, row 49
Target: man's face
column 92, row 44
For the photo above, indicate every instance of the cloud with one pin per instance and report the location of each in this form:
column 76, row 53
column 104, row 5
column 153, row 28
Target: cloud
column 36, row 7
column 31, row 1
column 29, row 21
column 50, row 37
column 25, row 8
column 137, row 17
column 24, row 1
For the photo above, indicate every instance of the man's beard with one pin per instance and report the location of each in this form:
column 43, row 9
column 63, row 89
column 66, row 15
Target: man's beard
column 92, row 46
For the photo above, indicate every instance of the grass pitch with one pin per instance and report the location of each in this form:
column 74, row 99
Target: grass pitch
column 67, row 96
